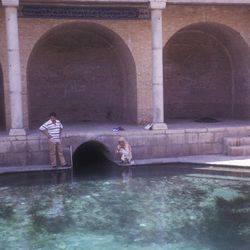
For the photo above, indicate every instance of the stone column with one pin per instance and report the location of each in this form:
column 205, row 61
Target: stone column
column 157, row 64
column 14, row 69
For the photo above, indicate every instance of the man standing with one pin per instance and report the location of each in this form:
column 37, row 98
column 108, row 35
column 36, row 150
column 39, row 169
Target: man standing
column 53, row 130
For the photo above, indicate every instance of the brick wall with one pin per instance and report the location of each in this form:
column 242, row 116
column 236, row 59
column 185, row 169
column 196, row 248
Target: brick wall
column 84, row 73
column 198, row 72
column 121, row 70
column 227, row 61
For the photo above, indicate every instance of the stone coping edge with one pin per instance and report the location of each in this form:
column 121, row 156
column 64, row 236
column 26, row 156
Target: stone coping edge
column 214, row 160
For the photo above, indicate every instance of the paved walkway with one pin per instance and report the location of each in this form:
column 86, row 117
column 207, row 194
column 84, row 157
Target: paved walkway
column 30, row 168
column 99, row 128
column 222, row 160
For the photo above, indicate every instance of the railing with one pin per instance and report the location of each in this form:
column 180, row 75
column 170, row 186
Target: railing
column 68, row 152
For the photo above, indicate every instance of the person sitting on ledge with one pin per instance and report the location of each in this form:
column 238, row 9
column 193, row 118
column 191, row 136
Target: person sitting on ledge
column 123, row 149
column 52, row 129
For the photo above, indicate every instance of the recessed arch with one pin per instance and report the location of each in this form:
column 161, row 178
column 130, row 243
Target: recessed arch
column 206, row 73
column 84, row 72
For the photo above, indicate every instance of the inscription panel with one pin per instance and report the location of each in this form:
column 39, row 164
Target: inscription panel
column 83, row 12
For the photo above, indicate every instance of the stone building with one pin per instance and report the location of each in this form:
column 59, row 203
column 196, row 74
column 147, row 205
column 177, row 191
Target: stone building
column 134, row 61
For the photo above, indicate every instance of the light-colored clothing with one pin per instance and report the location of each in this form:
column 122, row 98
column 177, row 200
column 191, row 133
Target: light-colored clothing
column 56, row 148
column 54, row 130
column 125, row 153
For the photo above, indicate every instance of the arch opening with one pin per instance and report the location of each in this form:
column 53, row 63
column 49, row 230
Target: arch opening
column 205, row 73
column 92, row 158
column 84, row 72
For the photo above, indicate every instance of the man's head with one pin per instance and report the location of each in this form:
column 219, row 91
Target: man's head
column 52, row 116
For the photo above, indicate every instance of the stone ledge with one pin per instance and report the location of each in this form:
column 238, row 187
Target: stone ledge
column 239, row 150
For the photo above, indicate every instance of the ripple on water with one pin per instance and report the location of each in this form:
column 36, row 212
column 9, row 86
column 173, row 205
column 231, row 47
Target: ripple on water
column 169, row 212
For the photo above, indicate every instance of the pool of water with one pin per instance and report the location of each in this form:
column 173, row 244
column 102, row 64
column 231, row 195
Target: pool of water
column 170, row 212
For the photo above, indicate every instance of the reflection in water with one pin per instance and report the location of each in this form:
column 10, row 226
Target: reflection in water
column 127, row 174
column 166, row 212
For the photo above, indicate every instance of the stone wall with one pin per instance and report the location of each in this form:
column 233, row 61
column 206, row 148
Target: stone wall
column 33, row 149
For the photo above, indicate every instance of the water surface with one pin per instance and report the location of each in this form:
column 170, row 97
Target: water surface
column 172, row 212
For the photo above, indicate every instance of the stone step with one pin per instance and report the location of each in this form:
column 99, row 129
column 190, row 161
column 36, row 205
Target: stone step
column 237, row 146
column 227, row 171
column 239, row 150
column 237, row 141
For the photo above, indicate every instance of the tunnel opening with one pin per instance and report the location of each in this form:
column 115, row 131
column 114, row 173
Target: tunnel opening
column 92, row 158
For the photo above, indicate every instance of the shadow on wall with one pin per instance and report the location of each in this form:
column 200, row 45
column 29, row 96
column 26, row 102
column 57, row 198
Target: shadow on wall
column 92, row 158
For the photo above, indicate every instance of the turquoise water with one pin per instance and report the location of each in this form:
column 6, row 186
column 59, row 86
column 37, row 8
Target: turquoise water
column 189, row 212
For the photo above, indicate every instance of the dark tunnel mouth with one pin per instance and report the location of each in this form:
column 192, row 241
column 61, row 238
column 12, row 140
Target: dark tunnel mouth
column 92, row 158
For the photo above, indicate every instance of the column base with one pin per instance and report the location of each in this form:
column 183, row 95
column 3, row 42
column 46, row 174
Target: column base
column 17, row 132
column 159, row 126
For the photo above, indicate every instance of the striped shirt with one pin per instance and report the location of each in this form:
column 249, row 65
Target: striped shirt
column 54, row 129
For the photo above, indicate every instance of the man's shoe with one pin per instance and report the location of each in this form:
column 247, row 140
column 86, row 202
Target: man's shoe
column 54, row 166
column 65, row 165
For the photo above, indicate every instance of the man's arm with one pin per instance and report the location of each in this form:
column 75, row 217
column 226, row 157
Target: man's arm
column 61, row 130
column 45, row 132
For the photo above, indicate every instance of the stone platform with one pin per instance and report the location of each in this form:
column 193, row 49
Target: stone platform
column 182, row 138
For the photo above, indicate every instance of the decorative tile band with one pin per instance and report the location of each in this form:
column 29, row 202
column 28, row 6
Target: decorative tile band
column 83, row 12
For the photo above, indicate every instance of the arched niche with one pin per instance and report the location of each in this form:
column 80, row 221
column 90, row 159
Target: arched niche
column 83, row 72
column 206, row 73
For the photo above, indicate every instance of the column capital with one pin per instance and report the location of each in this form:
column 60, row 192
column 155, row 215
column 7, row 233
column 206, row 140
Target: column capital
column 157, row 4
column 10, row 3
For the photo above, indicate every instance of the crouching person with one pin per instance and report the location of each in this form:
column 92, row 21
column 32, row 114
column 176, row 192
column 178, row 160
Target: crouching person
column 124, row 150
